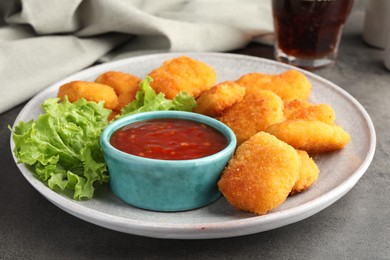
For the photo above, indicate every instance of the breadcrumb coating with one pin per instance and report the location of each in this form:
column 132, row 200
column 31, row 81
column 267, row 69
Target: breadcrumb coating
column 125, row 86
column 218, row 98
column 261, row 174
column 258, row 110
column 301, row 109
column 312, row 136
column 91, row 91
column 308, row 173
column 183, row 74
column 291, row 84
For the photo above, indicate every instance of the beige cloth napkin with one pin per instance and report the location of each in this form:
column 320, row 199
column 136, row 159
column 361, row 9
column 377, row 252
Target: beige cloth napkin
column 42, row 42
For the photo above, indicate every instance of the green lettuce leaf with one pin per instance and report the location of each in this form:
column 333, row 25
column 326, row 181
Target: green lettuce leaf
column 62, row 145
column 146, row 100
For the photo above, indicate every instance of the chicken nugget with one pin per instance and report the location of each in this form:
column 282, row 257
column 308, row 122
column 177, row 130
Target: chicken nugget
column 91, row 91
column 261, row 174
column 301, row 109
column 308, row 173
column 312, row 136
column 121, row 82
column 253, row 81
column 253, row 114
column 183, row 74
column 218, row 98
column 125, row 86
column 300, row 86
column 291, row 84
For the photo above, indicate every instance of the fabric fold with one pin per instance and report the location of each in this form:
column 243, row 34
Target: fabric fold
column 27, row 70
column 43, row 41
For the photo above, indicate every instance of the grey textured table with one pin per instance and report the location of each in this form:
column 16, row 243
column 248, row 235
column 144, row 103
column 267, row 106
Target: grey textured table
column 355, row 227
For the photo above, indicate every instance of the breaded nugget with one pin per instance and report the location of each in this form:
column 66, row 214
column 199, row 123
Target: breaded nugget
column 308, row 173
column 312, row 136
column 125, row 86
column 253, row 114
column 218, row 98
column 299, row 84
column 91, row 91
column 261, row 174
column 301, row 109
column 121, row 82
column 254, row 81
column 291, row 84
column 183, row 74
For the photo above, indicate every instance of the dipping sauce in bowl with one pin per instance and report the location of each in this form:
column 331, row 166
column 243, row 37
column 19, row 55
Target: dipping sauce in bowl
column 169, row 139
column 192, row 150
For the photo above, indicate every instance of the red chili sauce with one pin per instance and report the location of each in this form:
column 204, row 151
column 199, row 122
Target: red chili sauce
column 169, row 139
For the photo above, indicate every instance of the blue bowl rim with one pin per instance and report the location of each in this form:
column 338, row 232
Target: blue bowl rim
column 218, row 125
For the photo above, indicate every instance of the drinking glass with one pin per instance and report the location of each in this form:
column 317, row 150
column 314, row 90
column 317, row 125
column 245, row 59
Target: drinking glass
column 308, row 32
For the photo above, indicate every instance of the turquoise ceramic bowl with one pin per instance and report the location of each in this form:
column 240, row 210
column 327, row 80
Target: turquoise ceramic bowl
column 165, row 185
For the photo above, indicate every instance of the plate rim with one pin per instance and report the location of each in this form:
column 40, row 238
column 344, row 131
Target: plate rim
column 209, row 229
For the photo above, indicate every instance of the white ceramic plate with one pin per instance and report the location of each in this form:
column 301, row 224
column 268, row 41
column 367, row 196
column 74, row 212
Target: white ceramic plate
column 340, row 170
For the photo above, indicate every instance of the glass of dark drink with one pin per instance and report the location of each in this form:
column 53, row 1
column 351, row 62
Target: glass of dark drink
column 308, row 32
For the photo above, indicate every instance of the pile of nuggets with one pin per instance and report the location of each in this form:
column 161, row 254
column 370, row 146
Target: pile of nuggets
column 277, row 128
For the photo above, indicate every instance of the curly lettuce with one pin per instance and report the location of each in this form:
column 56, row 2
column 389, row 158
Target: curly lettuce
column 62, row 145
